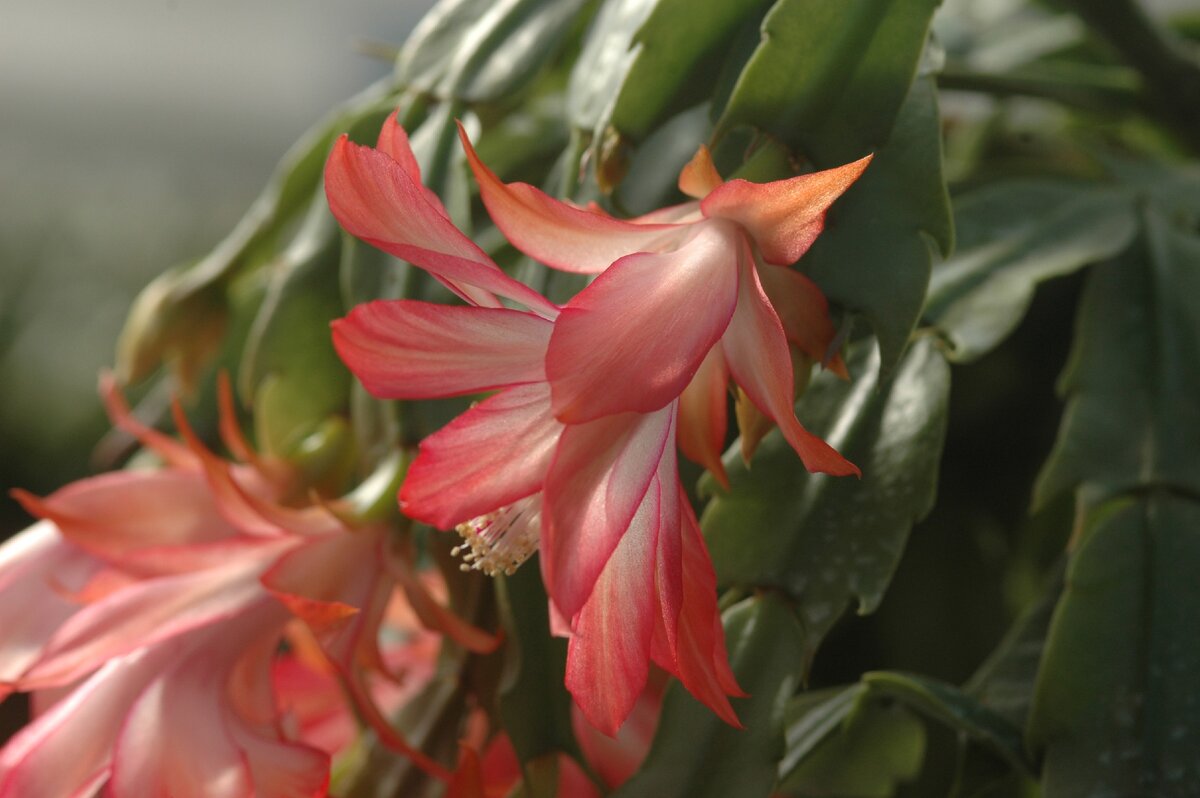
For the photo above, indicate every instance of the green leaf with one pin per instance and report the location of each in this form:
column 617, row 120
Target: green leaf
column 828, row 540
column 851, row 91
column 850, row 66
column 1004, row 683
column 874, row 749
column 955, row 708
column 1133, row 378
column 678, row 54
column 1117, row 706
column 482, row 50
column 694, row 753
column 875, row 254
column 1011, row 236
column 289, row 365
column 813, row 717
column 534, row 705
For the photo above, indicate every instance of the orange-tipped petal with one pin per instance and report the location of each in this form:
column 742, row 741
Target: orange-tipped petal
column 557, row 234
column 703, row 415
column 168, row 448
column 802, row 309
column 435, row 617
column 756, row 350
column 784, row 217
column 699, row 176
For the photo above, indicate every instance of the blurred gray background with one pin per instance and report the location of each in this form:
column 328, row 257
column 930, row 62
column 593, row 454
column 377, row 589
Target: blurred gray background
column 133, row 134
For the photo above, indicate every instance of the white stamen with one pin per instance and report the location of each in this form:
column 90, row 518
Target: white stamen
column 498, row 542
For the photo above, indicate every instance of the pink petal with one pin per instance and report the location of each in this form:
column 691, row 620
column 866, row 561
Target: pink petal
column 143, row 614
column 557, row 234
column 783, row 217
column 802, row 308
column 438, row 618
column 490, row 456
column 405, row 349
column 608, row 657
column 36, row 566
column 699, row 177
column 598, row 479
column 756, row 350
column 699, row 659
column 375, row 199
column 118, row 513
column 634, row 338
column 70, row 746
column 703, row 415
column 171, row 450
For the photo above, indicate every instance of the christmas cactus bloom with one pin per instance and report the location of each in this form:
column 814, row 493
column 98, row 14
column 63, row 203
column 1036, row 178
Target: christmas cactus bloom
column 621, row 554
column 685, row 299
column 161, row 595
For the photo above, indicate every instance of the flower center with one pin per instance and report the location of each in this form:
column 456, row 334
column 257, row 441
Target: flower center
column 500, row 541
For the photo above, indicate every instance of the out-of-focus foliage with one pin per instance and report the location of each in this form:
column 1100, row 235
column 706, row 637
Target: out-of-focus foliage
column 1048, row 143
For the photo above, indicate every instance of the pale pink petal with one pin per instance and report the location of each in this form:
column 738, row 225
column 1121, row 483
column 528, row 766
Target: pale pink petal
column 634, row 338
column 140, row 615
column 116, row 514
column 704, row 415
column 69, row 748
column 492, row 455
column 599, row 477
column 783, row 217
column 36, row 567
column 404, row 349
column 756, row 350
column 616, row 759
column 375, row 199
column 699, row 177
column 608, row 657
column 557, row 234
column 802, row 308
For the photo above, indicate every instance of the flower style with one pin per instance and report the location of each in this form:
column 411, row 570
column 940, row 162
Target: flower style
column 165, row 594
column 621, row 554
column 686, row 298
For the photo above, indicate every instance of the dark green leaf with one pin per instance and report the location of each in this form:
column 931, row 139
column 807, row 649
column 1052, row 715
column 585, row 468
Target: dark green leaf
column 289, row 366
column 849, row 66
column 813, row 717
column 948, row 704
column 827, row 540
column 1117, row 706
column 875, row 749
column 482, row 50
column 1011, row 236
column 695, row 754
column 534, row 705
column 1133, row 379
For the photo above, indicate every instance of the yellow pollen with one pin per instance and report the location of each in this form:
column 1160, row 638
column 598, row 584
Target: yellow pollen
column 500, row 541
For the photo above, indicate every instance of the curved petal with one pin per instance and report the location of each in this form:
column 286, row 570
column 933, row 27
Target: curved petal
column 375, row 199
column 598, row 478
column 703, row 415
column 634, row 338
column 756, row 350
column 69, row 747
column 404, row 349
column 802, row 309
column 699, row 177
column 142, row 614
column 699, row 658
column 557, row 234
column 608, row 657
column 492, row 455
column 784, row 217
column 119, row 513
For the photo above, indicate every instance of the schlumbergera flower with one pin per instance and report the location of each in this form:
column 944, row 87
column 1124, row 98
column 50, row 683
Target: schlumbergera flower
column 575, row 453
column 622, row 556
column 145, row 597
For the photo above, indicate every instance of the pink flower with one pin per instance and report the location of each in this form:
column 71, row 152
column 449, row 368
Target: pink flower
column 685, row 299
column 621, row 554
column 155, row 596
